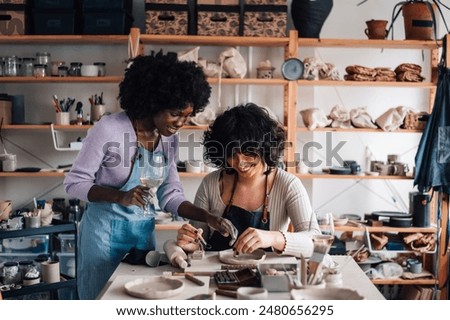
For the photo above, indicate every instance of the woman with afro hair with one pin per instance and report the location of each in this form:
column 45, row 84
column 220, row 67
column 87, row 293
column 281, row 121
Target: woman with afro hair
column 158, row 94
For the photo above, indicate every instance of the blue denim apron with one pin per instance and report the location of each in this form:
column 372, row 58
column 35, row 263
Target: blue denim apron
column 107, row 232
column 241, row 219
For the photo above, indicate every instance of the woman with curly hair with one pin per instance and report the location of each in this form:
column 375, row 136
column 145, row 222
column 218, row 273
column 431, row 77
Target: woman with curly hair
column 157, row 94
column 250, row 189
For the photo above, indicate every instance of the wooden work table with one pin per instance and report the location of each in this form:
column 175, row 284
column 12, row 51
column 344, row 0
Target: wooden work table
column 353, row 278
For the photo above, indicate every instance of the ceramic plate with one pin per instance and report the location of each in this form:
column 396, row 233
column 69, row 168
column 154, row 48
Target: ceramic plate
column 325, row 294
column 154, row 288
column 256, row 257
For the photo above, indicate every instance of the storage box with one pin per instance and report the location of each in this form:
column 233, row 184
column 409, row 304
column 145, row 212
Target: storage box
column 127, row 5
column 67, row 242
column 112, row 22
column 54, row 22
column 32, row 244
column 219, row 18
column 265, row 20
column 53, row 4
column 12, row 18
column 172, row 17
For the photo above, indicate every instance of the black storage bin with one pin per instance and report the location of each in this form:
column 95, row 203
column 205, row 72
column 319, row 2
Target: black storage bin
column 113, row 22
column 53, row 22
column 107, row 4
column 53, row 4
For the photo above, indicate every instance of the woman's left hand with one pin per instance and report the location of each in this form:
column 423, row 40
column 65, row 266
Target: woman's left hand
column 252, row 239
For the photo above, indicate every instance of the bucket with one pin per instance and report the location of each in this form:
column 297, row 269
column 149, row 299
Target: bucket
column 418, row 21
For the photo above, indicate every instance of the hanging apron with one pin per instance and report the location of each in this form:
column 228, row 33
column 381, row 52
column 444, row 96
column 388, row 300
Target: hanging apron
column 241, row 219
column 107, row 232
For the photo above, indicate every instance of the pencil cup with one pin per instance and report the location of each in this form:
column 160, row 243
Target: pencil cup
column 50, row 271
column 97, row 111
column 62, row 118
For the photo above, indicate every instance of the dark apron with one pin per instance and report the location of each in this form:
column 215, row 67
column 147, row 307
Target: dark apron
column 242, row 219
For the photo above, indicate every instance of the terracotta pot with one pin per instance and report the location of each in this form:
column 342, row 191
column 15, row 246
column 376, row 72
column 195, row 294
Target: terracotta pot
column 376, row 29
column 309, row 16
column 418, row 21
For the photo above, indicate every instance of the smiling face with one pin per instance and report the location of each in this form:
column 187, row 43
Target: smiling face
column 245, row 164
column 168, row 122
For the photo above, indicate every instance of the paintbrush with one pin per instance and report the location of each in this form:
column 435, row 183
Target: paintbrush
column 316, row 261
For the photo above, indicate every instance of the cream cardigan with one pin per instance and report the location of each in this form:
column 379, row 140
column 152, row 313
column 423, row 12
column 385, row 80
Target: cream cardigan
column 289, row 203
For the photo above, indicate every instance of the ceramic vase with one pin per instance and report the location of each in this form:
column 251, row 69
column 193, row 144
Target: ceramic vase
column 309, row 16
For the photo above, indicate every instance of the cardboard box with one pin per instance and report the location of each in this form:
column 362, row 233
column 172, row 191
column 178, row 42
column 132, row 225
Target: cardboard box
column 12, row 18
column 265, row 21
column 173, row 17
column 219, row 18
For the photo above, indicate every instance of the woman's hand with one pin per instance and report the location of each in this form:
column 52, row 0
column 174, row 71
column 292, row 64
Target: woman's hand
column 224, row 226
column 187, row 237
column 252, row 239
column 137, row 196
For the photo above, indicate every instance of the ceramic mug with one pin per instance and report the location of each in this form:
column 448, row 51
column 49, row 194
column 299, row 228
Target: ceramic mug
column 376, row 29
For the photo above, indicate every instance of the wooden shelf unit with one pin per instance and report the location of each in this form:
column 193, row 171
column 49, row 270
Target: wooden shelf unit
column 290, row 44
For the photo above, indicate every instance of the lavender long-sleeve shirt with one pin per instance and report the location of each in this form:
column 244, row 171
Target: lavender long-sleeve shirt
column 106, row 159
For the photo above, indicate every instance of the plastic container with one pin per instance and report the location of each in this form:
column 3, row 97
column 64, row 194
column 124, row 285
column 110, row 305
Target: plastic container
column 9, row 163
column 27, row 67
column 11, row 68
column 67, row 242
column 33, row 244
column 39, row 70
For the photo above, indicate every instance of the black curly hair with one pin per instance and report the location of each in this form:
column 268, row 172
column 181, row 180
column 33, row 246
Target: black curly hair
column 245, row 128
column 158, row 82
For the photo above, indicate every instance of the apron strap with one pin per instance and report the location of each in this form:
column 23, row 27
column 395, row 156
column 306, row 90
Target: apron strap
column 230, row 203
column 265, row 215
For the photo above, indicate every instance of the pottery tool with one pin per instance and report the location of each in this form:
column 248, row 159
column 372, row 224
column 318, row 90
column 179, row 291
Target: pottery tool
column 193, row 279
column 227, row 293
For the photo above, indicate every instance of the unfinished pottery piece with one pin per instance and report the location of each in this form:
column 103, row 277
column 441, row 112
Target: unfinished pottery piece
column 154, row 288
column 227, row 256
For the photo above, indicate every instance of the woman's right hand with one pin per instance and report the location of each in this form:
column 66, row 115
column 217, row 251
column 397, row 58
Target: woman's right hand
column 187, row 237
column 136, row 196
